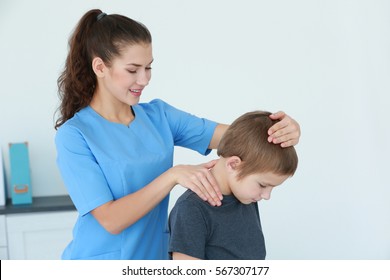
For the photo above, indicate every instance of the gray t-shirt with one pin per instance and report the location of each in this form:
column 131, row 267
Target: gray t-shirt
column 230, row 231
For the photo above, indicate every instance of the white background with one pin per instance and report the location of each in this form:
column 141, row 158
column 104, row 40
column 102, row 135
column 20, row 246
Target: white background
column 326, row 63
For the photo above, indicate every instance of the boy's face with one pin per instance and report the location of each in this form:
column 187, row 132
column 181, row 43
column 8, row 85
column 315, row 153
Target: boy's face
column 255, row 187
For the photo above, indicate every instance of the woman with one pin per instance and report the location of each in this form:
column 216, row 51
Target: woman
column 115, row 154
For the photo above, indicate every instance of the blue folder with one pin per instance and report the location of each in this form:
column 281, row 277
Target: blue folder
column 20, row 173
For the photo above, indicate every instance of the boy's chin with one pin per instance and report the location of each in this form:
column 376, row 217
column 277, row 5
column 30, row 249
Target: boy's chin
column 247, row 202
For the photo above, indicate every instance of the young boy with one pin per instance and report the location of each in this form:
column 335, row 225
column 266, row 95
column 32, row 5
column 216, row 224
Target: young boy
column 247, row 170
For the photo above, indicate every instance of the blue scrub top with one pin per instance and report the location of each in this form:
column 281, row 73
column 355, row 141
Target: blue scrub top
column 101, row 161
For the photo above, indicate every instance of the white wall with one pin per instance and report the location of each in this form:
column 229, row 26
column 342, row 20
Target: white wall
column 326, row 63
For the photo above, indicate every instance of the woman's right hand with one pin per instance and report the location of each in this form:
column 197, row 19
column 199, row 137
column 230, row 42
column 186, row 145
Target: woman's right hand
column 199, row 179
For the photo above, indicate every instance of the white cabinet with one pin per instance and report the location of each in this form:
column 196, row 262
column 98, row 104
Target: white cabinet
column 3, row 239
column 38, row 236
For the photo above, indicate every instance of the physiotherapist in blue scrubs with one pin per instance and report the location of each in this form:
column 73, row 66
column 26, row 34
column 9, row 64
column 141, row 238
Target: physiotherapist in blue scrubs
column 115, row 155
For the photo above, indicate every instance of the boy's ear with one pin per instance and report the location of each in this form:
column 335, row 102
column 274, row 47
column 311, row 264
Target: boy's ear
column 98, row 67
column 232, row 163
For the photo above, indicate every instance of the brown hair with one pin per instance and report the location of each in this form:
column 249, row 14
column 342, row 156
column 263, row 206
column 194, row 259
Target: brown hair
column 96, row 35
column 247, row 138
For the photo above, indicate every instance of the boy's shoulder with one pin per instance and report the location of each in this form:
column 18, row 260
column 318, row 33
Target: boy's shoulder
column 190, row 203
column 189, row 197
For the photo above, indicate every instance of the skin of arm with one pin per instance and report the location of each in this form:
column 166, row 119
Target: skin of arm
column 180, row 256
column 218, row 133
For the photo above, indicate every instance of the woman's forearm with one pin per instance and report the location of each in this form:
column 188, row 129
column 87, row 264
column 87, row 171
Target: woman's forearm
column 117, row 215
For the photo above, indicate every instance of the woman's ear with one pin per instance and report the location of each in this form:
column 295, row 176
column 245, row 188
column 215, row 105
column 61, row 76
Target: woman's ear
column 232, row 163
column 98, row 67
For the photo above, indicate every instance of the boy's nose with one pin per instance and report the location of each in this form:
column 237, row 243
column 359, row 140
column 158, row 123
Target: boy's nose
column 266, row 195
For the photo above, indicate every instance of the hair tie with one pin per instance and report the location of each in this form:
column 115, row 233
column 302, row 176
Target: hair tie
column 100, row 16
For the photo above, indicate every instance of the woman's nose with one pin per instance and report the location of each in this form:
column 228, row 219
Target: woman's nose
column 143, row 78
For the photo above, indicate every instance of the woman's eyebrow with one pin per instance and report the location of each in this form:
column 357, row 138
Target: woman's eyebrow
column 139, row 65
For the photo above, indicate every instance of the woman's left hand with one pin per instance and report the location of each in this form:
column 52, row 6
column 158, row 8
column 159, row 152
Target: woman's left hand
column 286, row 132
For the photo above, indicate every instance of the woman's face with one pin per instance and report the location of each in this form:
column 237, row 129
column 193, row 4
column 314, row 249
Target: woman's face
column 128, row 74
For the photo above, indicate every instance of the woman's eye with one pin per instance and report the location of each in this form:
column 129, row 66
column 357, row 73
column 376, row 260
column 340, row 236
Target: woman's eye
column 135, row 71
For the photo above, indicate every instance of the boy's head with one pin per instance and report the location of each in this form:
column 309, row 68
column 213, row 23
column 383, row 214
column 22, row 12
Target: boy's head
column 255, row 165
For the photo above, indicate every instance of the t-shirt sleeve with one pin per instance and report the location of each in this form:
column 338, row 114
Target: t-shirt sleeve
column 188, row 231
column 188, row 130
column 81, row 173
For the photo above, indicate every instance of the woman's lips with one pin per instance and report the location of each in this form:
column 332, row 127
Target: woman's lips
column 136, row 92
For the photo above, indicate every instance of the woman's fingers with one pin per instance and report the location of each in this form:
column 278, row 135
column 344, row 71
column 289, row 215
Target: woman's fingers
column 278, row 115
column 210, row 164
column 286, row 132
column 205, row 185
column 199, row 179
column 211, row 188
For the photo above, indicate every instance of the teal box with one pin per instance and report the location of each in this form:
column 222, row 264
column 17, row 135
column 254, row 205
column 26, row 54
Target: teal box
column 20, row 173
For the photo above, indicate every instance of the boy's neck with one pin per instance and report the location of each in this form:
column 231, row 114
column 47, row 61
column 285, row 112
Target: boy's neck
column 220, row 175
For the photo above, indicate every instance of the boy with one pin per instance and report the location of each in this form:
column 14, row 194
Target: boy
column 247, row 170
